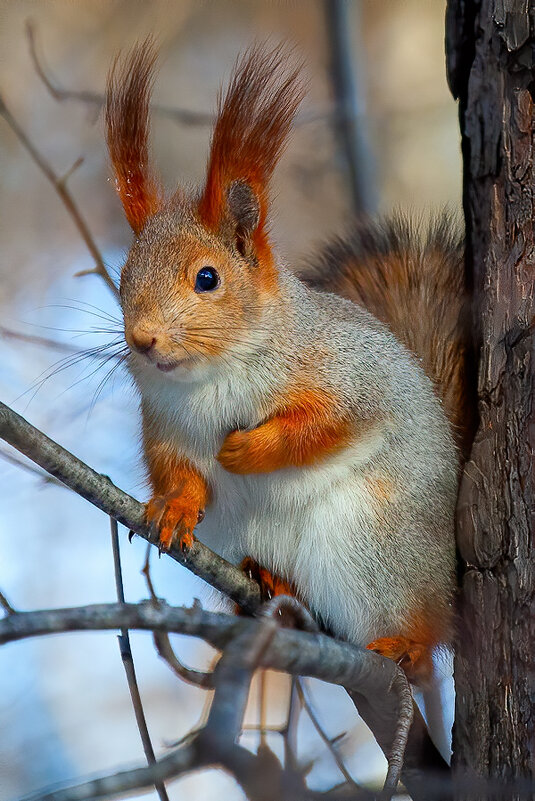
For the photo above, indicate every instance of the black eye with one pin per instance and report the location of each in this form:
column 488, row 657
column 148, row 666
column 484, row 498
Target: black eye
column 207, row 279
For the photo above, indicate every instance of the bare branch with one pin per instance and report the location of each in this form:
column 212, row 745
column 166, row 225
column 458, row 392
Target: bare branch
column 350, row 117
column 59, row 185
column 129, row 667
column 364, row 674
column 100, row 491
column 182, row 116
column 30, row 468
column 96, row 99
column 289, row 732
column 165, row 651
column 305, row 703
column 232, row 679
column 163, row 645
column 6, row 606
column 180, row 761
column 46, row 342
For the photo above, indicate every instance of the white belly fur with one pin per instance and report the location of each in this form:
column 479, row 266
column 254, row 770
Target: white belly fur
column 299, row 523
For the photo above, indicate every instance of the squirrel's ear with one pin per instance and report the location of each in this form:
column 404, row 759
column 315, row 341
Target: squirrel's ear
column 244, row 212
column 251, row 131
column 127, row 133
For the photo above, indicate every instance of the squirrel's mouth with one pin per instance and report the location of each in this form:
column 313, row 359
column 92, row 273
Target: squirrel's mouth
column 167, row 367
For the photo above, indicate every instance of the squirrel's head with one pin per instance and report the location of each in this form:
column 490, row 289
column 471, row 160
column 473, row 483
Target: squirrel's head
column 200, row 273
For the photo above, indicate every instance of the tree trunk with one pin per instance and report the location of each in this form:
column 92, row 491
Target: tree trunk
column 490, row 49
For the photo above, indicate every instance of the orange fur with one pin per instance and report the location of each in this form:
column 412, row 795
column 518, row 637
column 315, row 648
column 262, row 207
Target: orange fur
column 304, row 432
column 180, row 496
column 253, row 123
column 127, row 133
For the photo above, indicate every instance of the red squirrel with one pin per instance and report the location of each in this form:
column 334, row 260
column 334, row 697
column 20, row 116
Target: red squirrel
column 311, row 423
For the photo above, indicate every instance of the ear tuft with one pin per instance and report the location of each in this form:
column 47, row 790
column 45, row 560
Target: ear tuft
column 127, row 132
column 252, row 127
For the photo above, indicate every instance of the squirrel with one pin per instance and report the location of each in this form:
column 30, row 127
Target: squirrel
column 312, row 424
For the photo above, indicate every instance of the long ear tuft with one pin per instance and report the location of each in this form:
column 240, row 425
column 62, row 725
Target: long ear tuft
column 252, row 127
column 127, row 133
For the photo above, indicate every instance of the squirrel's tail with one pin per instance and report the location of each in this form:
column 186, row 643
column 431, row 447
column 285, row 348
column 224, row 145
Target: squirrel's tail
column 415, row 283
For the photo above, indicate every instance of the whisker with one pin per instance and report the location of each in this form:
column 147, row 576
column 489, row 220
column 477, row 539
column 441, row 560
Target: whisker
column 105, row 380
column 99, row 352
column 79, row 331
column 109, row 318
column 227, row 358
column 89, row 375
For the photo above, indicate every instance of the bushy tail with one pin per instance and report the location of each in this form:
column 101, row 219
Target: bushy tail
column 415, row 283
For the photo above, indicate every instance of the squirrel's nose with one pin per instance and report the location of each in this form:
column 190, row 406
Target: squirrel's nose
column 142, row 340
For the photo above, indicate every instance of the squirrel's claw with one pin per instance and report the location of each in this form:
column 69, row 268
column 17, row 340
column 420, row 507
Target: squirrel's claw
column 270, row 584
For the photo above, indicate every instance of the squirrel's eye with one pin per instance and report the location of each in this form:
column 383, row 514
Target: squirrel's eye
column 207, row 279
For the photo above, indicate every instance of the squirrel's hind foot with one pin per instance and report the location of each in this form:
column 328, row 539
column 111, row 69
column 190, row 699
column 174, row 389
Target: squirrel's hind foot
column 415, row 658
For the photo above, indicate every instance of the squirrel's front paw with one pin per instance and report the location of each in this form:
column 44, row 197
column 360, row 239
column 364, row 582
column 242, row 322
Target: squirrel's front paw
column 235, row 453
column 256, row 451
column 174, row 516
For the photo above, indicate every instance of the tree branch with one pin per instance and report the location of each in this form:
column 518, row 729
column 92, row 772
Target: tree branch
column 101, row 492
column 128, row 664
column 361, row 672
column 60, row 185
column 59, row 93
column 329, row 742
column 163, row 645
column 375, row 698
column 350, row 117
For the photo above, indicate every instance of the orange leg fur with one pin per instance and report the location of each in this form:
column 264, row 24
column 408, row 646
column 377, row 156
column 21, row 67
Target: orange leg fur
column 180, row 497
column 306, row 431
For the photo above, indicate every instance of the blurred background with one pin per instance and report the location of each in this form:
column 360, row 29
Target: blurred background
column 64, row 705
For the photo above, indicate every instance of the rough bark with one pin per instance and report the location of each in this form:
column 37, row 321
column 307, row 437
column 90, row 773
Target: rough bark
column 491, row 46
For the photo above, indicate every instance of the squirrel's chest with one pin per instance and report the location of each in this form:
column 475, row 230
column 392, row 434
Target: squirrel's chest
column 194, row 420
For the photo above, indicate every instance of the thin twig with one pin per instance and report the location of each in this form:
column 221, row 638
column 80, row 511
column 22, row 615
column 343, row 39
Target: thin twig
column 30, row 468
column 6, row 606
column 307, row 706
column 31, row 339
column 262, row 706
column 165, row 651
column 183, row 116
column 129, row 667
column 60, row 186
column 268, row 728
column 290, row 730
column 163, row 645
